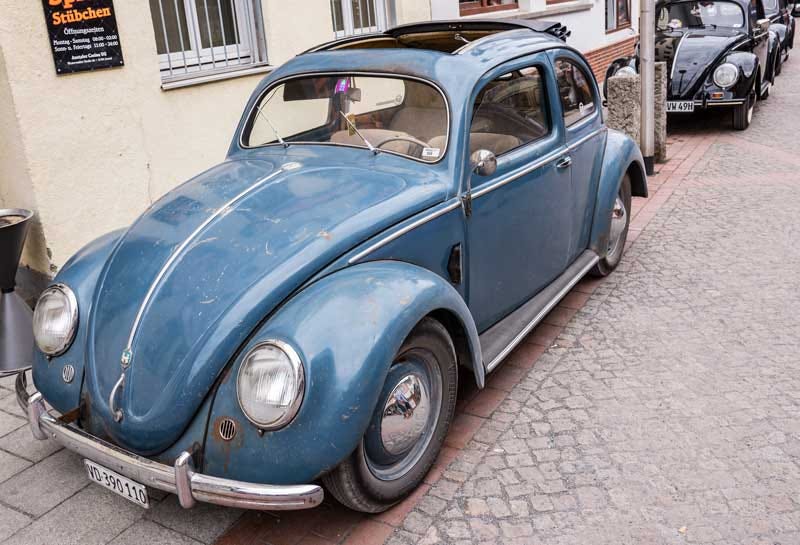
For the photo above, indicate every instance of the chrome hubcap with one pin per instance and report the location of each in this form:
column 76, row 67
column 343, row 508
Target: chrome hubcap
column 405, row 421
column 619, row 219
column 405, row 415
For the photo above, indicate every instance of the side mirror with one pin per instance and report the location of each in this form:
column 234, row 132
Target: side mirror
column 484, row 162
column 763, row 25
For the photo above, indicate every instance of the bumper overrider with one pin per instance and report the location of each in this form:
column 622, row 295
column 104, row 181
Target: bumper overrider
column 180, row 479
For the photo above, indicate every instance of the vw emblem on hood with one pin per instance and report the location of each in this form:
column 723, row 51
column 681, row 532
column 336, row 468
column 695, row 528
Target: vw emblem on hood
column 68, row 373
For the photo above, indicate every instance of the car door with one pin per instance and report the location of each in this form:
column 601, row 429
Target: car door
column 582, row 116
column 519, row 228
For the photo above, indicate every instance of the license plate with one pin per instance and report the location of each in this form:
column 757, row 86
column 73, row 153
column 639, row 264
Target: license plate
column 128, row 489
column 680, row 106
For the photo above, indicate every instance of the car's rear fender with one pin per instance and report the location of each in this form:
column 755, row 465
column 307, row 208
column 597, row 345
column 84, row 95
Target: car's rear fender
column 347, row 328
column 622, row 156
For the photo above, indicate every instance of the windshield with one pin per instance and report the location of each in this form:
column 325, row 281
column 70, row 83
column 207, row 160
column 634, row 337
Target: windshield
column 699, row 14
column 382, row 114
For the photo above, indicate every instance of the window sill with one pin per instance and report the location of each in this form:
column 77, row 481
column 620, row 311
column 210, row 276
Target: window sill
column 560, row 8
column 200, row 78
column 620, row 28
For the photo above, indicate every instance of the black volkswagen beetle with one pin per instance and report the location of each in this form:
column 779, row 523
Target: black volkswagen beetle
column 781, row 14
column 719, row 54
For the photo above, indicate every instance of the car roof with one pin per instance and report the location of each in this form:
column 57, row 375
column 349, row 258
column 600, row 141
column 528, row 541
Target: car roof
column 455, row 72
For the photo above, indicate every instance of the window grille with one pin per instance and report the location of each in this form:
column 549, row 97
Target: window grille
column 351, row 17
column 198, row 38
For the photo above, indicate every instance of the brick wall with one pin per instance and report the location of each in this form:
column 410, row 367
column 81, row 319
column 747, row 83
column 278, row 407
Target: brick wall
column 599, row 59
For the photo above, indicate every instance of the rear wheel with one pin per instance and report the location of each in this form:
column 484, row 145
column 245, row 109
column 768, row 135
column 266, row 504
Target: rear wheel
column 408, row 427
column 743, row 114
column 617, row 231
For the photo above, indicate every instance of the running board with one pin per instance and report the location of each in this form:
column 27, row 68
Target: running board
column 498, row 341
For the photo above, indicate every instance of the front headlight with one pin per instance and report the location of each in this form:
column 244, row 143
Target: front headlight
column 271, row 384
column 726, row 75
column 55, row 320
column 626, row 71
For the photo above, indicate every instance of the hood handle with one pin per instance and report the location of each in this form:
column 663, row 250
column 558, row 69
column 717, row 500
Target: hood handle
column 111, row 399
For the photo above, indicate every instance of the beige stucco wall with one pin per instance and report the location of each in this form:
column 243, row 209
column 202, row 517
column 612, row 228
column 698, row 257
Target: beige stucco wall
column 412, row 11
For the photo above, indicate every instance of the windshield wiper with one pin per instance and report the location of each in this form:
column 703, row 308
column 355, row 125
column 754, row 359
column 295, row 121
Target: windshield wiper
column 371, row 148
column 271, row 126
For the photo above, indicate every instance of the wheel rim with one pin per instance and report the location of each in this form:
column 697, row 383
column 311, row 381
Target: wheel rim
column 409, row 409
column 750, row 109
column 619, row 220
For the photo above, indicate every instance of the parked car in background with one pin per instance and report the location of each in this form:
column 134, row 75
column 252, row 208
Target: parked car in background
column 780, row 12
column 392, row 207
column 720, row 54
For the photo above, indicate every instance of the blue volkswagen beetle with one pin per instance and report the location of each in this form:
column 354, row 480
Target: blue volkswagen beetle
column 392, row 207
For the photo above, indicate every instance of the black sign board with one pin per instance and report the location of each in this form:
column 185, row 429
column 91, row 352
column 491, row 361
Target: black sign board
column 83, row 34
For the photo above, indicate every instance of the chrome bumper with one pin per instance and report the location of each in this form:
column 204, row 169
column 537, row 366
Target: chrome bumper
column 180, row 479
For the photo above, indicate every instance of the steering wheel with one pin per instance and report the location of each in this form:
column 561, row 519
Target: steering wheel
column 399, row 138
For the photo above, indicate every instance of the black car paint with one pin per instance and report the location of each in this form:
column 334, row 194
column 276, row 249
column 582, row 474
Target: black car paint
column 692, row 55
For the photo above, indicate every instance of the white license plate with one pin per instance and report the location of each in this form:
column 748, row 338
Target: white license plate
column 128, row 489
column 679, row 106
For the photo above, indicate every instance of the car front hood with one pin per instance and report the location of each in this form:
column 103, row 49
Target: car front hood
column 194, row 276
column 691, row 55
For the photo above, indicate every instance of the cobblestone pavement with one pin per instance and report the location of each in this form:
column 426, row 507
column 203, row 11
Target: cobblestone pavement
column 657, row 406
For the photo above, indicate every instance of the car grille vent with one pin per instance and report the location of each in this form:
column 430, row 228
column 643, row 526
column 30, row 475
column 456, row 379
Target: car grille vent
column 227, row 429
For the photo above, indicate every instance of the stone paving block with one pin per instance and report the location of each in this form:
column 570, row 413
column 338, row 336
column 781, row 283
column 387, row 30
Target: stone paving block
column 94, row 516
column 9, row 423
column 11, row 522
column 10, row 465
column 204, row 522
column 45, row 485
column 144, row 532
column 22, row 443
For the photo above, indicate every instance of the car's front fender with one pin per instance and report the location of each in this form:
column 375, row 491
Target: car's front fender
column 622, row 156
column 347, row 329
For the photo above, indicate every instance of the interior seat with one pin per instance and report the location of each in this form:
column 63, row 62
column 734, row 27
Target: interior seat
column 496, row 143
column 375, row 136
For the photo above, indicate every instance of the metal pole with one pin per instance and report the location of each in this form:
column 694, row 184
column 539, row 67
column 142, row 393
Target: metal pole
column 647, row 47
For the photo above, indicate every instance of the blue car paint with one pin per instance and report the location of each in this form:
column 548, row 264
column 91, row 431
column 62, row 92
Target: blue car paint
column 80, row 273
column 214, row 303
column 345, row 368
column 235, row 272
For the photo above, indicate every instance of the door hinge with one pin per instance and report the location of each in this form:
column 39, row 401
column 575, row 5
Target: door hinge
column 466, row 204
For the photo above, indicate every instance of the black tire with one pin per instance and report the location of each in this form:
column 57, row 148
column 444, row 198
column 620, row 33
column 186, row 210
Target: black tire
column 613, row 256
column 353, row 482
column 743, row 114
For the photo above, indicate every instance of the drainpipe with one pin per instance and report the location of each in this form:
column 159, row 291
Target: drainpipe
column 647, row 50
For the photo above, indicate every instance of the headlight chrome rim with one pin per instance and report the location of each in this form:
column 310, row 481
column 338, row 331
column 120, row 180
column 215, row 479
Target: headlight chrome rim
column 299, row 394
column 726, row 66
column 67, row 292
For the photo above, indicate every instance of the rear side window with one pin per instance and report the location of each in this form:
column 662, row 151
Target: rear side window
column 509, row 112
column 577, row 99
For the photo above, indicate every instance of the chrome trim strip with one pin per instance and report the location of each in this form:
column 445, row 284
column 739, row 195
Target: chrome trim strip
column 176, row 479
column 541, row 314
column 550, row 157
column 400, row 232
column 675, row 56
column 730, row 102
column 226, row 208
column 586, row 138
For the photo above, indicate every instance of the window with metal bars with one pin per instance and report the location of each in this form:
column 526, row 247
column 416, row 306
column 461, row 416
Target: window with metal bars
column 351, row 17
column 200, row 38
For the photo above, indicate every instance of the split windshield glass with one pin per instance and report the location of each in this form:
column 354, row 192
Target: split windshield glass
column 380, row 113
column 680, row 15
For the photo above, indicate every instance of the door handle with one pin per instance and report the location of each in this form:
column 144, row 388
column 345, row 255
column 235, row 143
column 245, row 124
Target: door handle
column 564, row 162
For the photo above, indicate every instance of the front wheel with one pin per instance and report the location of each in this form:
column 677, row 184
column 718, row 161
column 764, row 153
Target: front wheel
column 617, row 231
column 408, row 427
column 743, row 114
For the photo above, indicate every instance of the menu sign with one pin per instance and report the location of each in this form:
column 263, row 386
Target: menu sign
column 83, row 34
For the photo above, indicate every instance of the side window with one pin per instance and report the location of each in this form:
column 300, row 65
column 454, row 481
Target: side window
column 509, row 112
column 577, row 99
